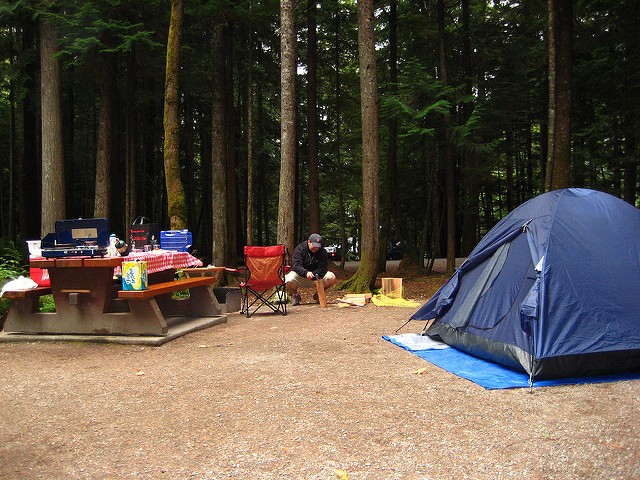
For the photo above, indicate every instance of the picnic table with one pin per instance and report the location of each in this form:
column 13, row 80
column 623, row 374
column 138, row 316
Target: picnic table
column 89, row 300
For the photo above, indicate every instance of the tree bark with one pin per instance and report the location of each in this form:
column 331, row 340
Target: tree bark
column 29, row 188
column 365, row 277
column 250, row 135
column 219, row 151
column 312, row 117
column 470, row 179
column 234, row 250
column 389, row 201
column 560, row 32
column 286, row 204
column 449, row 160
column 131, row 177
column 175, row 190
column 338, row 139
column 105, row 138
column 53, row 180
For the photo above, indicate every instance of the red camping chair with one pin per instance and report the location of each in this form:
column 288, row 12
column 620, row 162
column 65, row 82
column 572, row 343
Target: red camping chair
column 262, row 279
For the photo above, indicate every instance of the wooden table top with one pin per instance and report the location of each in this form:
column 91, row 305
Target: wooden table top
column 76, row 262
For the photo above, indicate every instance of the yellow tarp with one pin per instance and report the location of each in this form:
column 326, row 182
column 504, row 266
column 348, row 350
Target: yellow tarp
column 381, row 300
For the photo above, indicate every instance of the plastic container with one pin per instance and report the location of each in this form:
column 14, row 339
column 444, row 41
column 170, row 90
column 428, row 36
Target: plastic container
column 178, row 240
column 38, row 275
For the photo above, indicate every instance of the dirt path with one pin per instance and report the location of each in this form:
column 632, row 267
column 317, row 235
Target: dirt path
column 301, row 397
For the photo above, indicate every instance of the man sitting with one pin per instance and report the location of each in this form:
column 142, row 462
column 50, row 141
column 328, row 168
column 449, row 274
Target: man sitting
column 308, row 263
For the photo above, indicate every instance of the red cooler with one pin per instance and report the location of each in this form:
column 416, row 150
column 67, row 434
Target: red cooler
column 39, row 275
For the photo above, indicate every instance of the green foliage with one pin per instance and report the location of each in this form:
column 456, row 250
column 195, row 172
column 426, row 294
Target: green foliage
column 12, row 265
column 12, row 261
column 105, row 26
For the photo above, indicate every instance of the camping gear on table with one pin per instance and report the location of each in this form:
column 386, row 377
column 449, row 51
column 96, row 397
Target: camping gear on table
column 552, row 289
column 178, row 240
column 143, row 232
column 78, row 237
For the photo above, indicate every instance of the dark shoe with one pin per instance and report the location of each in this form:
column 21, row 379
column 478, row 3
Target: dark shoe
column 296, row 299
column 315, row 296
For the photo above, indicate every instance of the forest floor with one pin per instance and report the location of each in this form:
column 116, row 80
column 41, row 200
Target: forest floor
column 316, row 394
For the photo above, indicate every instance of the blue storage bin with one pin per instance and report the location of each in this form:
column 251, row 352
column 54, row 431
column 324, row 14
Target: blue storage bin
column 179, row 240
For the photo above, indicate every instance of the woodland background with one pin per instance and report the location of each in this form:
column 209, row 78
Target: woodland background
column 480, row 105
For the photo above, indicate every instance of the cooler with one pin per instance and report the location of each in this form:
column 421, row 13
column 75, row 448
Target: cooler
column 178, row 240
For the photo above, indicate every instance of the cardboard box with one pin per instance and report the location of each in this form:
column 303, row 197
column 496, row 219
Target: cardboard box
column 134, row 276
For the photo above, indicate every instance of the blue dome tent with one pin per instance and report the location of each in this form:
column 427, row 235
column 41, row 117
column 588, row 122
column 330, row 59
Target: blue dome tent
column 553, row 289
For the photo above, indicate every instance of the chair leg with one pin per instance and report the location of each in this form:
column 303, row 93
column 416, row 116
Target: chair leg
column 270, row 298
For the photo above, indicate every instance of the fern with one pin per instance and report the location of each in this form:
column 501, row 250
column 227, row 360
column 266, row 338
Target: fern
column 12, row 262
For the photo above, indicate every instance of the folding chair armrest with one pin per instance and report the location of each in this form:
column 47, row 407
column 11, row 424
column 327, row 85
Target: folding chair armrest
column 241, row 274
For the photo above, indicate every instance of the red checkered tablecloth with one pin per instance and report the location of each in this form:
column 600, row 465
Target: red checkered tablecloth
column 158, row 260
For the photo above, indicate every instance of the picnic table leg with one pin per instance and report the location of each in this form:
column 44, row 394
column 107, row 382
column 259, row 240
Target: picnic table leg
column 200, row 302
column 20, row 315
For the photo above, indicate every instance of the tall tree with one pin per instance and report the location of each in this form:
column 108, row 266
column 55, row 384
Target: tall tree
column 312, row 116
column 286, row 202
column 28, row 159
column 250, row 136
column 219, row 150
column 102, row 200
column 449, row 159
column 337, row 92
column 130, row 200
column 469, row 202
column 389, row 207
column 177, row 207
column 365, row 277
column 560, row 33
column 53, row 180
column 234, row 232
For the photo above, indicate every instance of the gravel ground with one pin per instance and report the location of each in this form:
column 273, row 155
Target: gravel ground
column 317, row 394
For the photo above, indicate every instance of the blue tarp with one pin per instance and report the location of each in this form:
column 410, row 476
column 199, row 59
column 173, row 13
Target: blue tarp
column 489, row 375
column 553, row 289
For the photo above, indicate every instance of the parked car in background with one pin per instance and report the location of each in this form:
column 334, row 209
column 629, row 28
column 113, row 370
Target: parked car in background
column 333, row 251
column 395, row 251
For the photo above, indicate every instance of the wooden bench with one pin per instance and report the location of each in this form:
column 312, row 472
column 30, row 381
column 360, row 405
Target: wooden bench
column 156, row 304
column 24, row 302
column 22, row 294
column 166, row 288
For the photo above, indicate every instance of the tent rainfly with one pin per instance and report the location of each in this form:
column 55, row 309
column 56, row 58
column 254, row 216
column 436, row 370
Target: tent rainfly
column 553, row 289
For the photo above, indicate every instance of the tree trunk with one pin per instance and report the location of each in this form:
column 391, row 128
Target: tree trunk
column 365, row 277
column 449, row 159
column 470, row 180
column 131, row 204
column 286, row 204
column 390, row 211
column 312, row 117
column 250, row 135
column 175, row 190
column 219, row 151
column 102, row 199
column 53, row 181
column 338, row 140
column 560, row 32
column 234, row 250
column 29, row 188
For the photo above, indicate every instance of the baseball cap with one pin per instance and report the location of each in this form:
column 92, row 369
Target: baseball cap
column 315, row 239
